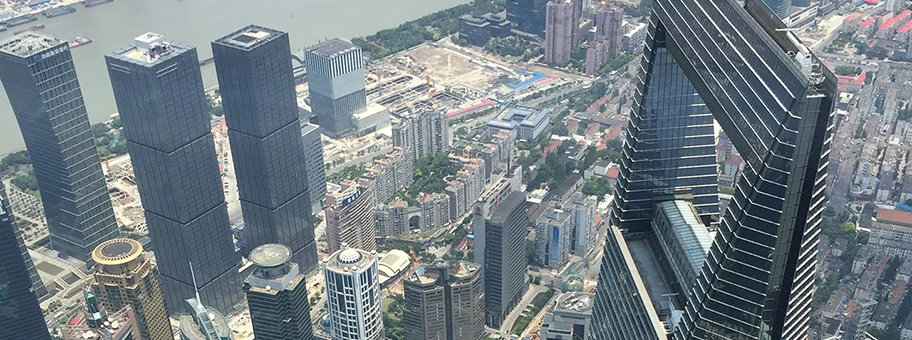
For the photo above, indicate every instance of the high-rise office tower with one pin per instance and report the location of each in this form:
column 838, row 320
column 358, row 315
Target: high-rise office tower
column 261, row 109
column 553, row 235
column 608, row 22
column 350, row 217
column 774, row 99
column 335, row 76
column 527, row 15
column 353, row 295
column 582, row 211
column 159, row 93
column 277, row 295
column 500, row 246
column 8, row 220
column 200, row 322
column 40, row 80
column 313, row 161
column 444, row 302
column 124, row 276
column 559, row 31
column 23, row 318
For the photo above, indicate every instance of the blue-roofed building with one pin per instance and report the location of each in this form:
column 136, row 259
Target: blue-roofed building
column 683, row 238
column 526, row 123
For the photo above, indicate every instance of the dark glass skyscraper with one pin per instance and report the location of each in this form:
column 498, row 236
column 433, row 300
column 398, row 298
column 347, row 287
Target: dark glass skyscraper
column 277, row 295
column 257, row 87
column 20, row 315
column 527, row 15
column 159, row 93
column 500, row 238
column 774, row 99
column 40, row 80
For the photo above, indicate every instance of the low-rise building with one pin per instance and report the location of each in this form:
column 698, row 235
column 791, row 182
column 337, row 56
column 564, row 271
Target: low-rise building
column 570, row 317
column 861, row 259
column 98, row 323
column 882, row 315
column 838, row 248
column 904, row 273
column 477, row 30
column 527, row 123
column 391, row 265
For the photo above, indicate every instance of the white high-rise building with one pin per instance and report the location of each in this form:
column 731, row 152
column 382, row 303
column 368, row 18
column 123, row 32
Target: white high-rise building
column 353, row 295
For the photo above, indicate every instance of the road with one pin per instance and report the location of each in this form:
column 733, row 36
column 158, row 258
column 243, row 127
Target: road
column 530, row 295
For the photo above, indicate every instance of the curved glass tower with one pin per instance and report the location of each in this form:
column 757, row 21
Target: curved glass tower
column 774, row 99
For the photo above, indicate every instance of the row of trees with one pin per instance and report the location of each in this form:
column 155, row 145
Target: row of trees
column 430, row 173
column 429, row 27
column 513, row 46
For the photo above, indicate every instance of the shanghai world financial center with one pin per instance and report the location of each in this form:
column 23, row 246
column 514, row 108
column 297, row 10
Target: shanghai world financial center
column 714, row 59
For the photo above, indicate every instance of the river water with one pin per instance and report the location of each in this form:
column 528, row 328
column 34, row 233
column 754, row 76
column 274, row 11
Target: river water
column 197, row 23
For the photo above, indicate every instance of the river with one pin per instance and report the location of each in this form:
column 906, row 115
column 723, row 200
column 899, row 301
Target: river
column 197, row 23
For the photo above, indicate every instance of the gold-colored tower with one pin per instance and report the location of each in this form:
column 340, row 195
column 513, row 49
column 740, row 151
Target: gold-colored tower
column 124, row 276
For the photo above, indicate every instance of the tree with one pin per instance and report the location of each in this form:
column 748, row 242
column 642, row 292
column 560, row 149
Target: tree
column 845, row 70
column 119, row 148
column 100, row 130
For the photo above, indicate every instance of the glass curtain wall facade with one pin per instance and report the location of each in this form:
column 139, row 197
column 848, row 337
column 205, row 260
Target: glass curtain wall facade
column 257, row 84
column 527, row 15
column 40, row 80
column 159, row 93
column 20, row 314
column 335, row 74
column 774, row 99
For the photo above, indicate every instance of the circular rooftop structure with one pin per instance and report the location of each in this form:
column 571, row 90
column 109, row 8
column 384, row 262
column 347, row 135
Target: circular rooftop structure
column 270, row 255
column 117, row 251
column 349, row 256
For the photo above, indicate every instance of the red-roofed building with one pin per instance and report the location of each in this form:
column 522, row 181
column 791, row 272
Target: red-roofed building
column 592, row 129
column 865, row 27
column 852, row 83
column 572, row 125
column 897, row 217
column 902, row 34
column 897, row 292
column 888, row 26
column 850, row 23
column 612, row 173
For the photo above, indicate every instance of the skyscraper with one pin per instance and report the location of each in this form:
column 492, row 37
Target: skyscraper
column 313, row 161
column 422, row 132
column 444, row 302
column 353, row 295
column 335, row 76
column 8, row 220
column 774, row 99
column 20, row 315
column 257, row 87
column 608, row 23
column 553, row 235
column 277, row 295
column 500, row 245
column 528, row 15
column 40, row 80
column 559, row 31
column 350, row 217
column 159, row 93
column 781, row 8
column 123, row 276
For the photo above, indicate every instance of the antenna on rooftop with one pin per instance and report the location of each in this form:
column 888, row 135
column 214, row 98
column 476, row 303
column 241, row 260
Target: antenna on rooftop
column 195, row 288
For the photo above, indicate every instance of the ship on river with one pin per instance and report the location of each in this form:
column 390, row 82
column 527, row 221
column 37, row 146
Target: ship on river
column 22, row 20
column 58, row 11
column 80, row 40
column 90, row 3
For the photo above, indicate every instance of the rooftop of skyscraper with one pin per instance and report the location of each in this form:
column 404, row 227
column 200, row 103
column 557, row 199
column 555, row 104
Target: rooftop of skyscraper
column 499, row 214
column 118, row 325
column 29, row 43
column 332, row 48
column 190, row 327
column 149, row 48
column 577, row 302
column 349, row 259
column 249, row 37
column 117, row 251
